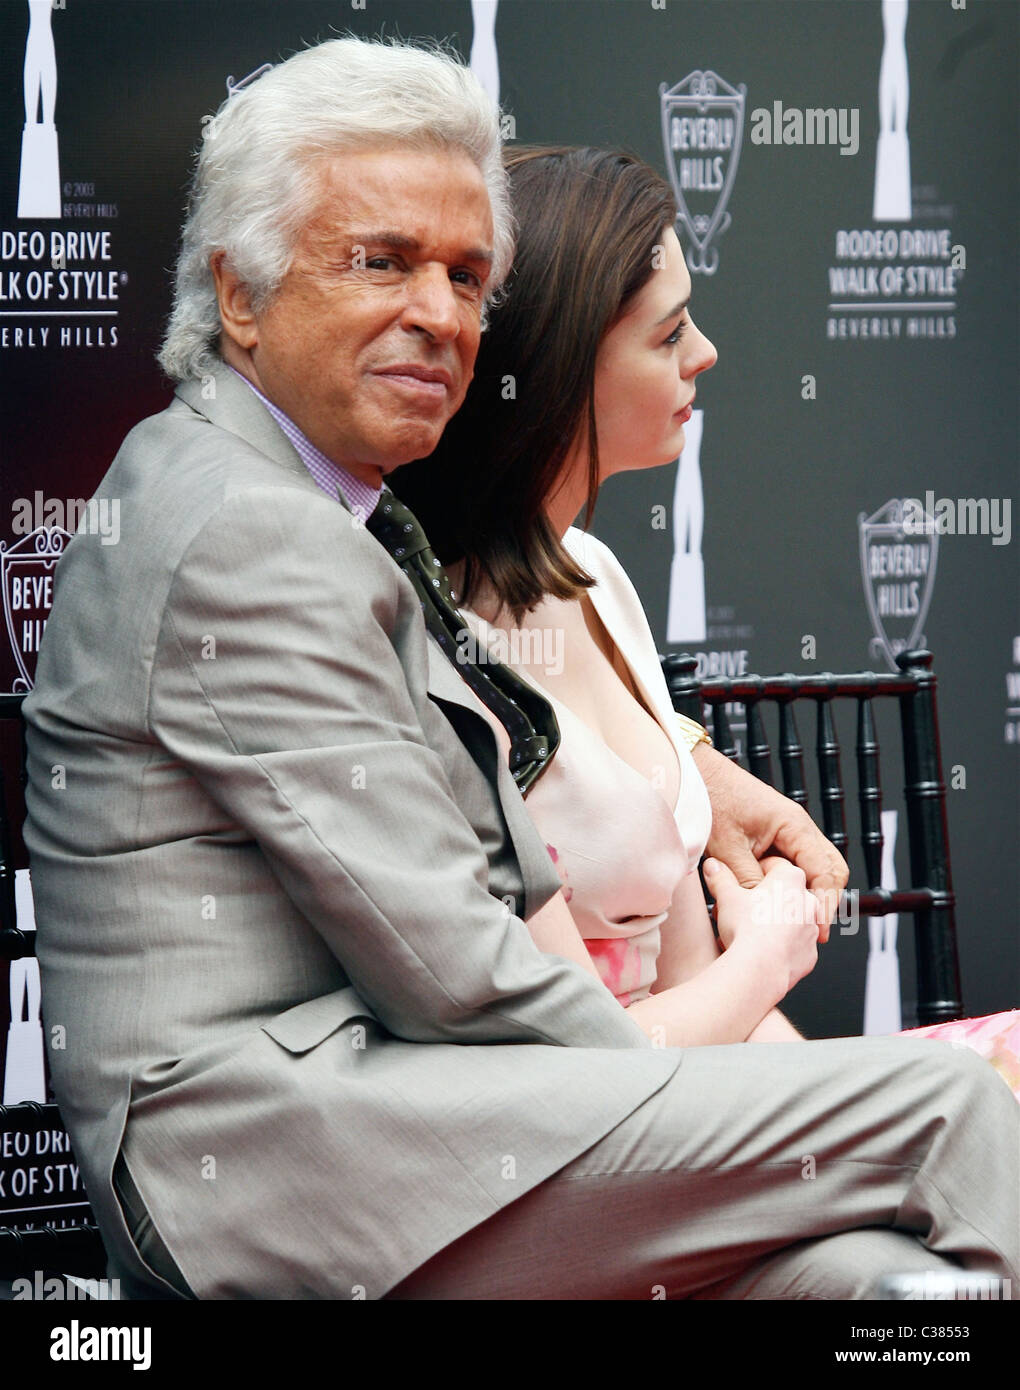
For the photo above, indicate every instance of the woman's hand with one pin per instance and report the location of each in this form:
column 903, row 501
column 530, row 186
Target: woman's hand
column 750, row 818
column 778, row 919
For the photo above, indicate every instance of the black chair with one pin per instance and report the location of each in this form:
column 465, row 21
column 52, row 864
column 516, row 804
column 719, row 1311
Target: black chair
column 929, row 898
column 30, row 1239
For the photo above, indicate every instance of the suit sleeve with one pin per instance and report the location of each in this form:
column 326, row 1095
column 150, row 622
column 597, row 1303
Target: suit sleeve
column 276, row 683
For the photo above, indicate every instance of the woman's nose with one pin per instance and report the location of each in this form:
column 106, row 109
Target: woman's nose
column 701, row 353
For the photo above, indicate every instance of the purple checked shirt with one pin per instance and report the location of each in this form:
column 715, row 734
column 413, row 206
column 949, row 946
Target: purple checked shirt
column 328, row 475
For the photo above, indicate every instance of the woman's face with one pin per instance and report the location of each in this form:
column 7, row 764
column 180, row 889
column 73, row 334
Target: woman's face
column 645, row 370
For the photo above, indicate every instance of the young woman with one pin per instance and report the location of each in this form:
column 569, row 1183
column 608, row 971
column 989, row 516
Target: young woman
column 590, row 368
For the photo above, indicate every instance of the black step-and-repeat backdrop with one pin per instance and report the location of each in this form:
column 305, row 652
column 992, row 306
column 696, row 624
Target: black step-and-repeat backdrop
column 847, row 177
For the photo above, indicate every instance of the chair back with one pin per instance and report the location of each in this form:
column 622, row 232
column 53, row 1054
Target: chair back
column 929, row 896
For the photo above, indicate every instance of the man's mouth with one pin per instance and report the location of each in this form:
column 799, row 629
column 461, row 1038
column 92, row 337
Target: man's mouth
column 428, row 383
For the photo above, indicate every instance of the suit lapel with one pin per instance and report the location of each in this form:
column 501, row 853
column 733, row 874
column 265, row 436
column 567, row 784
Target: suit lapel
column 224, row 400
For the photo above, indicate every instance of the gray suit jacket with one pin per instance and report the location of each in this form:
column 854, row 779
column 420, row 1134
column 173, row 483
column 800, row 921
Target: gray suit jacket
column 269, row 836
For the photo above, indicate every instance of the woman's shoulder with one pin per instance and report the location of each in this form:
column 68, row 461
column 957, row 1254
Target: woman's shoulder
column 597, row 558
column 604, row 567
column 618, row 604
column 620, row 608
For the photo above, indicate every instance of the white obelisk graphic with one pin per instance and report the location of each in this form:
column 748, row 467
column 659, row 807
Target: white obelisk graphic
column 882, row 1012
column 484, row 59
column 39, row 188
column 685, row 620
column 24, row 1071
column 892, row 161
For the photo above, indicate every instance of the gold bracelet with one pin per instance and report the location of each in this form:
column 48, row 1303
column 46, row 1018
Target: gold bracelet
column 692, row 732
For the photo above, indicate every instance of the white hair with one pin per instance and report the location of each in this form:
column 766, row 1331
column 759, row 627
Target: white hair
column 255, row 182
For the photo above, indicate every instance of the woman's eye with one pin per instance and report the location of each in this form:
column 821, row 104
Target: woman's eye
column 677, row 333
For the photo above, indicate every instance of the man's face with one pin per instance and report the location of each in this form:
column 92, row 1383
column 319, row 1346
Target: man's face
column 370, row 342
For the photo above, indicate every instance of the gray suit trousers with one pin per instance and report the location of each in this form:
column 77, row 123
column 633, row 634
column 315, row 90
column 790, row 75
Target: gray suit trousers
column 768, row 1171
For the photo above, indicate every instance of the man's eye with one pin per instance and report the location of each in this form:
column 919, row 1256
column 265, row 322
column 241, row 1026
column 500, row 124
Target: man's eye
column 380, row 263
column 466, row 277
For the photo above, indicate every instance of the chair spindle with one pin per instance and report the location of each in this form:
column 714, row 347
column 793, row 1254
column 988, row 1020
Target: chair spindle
column 869, row 791
column 935, row 928
column 791, row 756
column 759, row 755
column 830, row 778
column 722, row 736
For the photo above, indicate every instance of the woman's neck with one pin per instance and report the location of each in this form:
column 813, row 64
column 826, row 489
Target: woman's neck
column 564, row 503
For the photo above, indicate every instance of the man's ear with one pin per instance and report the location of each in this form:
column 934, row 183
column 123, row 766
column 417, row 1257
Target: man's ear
column 236, row 313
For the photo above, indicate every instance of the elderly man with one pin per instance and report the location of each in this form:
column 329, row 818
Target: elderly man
column 302, row 1044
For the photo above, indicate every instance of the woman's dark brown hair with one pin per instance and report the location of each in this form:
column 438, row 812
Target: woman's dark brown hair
column 589, row 223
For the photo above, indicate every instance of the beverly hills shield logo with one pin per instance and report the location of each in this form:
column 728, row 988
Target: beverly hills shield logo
column 702, row 131
column 26, row 579
column 898, row 572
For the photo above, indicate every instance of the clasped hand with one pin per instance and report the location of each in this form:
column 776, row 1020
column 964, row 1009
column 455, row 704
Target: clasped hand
column 778, row 918
column 751, row 821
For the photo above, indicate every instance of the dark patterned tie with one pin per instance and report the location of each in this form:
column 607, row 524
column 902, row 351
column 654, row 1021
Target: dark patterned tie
column 526, row 716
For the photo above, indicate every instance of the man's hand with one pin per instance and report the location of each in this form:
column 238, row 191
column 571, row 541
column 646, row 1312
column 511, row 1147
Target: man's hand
column 750, row 818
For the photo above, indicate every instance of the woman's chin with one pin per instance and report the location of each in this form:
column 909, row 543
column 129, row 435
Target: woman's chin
column 635, row 463
column 675, row 446
column 679, row 440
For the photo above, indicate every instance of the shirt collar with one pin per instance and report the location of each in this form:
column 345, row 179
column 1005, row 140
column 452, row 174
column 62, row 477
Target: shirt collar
column 329, row 476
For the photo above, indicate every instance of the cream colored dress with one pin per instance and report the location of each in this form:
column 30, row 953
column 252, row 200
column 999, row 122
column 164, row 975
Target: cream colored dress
column 621, row 852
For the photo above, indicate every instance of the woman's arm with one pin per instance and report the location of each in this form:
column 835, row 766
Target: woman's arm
column 775, row 1027
column 689, row 946
column 729, row 996
column 688, row 941
column 725, row 1003
column 770, row 939
column 555, row 932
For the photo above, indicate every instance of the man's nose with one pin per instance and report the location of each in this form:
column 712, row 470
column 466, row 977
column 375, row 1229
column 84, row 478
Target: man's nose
column 432, row 306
